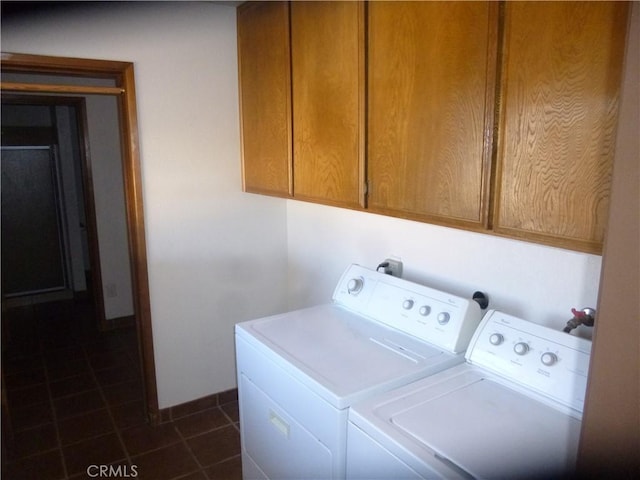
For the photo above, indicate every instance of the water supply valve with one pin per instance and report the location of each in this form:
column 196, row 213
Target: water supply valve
column 586, row 317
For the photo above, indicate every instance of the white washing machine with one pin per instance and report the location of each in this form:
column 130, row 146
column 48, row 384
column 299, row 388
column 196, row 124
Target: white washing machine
column 512, row 411
column 299, row 372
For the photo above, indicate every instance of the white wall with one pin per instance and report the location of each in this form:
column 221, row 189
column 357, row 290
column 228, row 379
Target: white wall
column 216, row 256
column 535, row 282
column 108, row 193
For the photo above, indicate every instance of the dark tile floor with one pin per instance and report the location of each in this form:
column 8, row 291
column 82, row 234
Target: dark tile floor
column 75, row 406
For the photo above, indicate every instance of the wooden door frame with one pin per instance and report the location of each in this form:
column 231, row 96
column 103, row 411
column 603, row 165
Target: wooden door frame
column 123, row 75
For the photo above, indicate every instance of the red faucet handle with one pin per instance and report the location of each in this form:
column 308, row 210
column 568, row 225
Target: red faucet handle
column 578, row 313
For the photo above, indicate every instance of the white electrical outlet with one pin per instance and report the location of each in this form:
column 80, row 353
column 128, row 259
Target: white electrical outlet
column 394, row 268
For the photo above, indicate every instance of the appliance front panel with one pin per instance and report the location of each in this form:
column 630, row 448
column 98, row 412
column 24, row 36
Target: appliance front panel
column 277, row 442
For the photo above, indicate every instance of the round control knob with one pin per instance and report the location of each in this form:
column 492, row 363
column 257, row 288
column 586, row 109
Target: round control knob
column 425, row 310
column 443, row 318
column 407, row 304
column 521, row 348
column 355, row 285
column 496, row 339
column 548, row 358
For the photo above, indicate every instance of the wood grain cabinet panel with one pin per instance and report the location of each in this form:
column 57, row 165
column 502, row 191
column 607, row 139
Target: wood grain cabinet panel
column 327, row 51
column 431, row 84
column 560, row 82
column 265, row 97
column 420, row 99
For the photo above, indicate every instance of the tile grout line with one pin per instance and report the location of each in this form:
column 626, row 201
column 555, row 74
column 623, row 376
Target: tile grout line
column 190, row 450
column 183, row 439
column 108, row 408
column 231, row 420
column 54, row 414
column 186, row 444
column 50, row 352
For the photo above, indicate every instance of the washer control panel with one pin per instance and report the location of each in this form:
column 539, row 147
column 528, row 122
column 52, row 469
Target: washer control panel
column 551, row 362
column 431, row 315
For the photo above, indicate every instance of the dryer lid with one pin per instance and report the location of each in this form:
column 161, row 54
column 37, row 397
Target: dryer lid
column 342, row 355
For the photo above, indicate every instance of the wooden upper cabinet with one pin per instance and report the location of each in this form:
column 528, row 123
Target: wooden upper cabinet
column 560, row 82
column 431, row 88
column 265, row 97
column 327, row 51
column 490, row 116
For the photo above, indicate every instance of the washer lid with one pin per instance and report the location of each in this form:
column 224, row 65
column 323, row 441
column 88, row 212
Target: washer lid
column 491, row 431
column 343, row 356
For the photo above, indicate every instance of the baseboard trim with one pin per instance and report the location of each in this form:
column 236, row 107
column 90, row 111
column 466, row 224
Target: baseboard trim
column 198, row 405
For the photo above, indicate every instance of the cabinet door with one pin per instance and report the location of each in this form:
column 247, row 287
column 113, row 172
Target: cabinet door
column 327, row 47
column 560, row 81
column 265, row 97
column 431, row 84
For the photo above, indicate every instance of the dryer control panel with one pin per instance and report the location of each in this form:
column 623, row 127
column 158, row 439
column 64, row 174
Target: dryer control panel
column 437, row 317
column 551, row 362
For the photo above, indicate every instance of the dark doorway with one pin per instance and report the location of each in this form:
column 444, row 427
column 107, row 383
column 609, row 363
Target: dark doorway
column 50, row 77
column 44, row 239
column 65, row 217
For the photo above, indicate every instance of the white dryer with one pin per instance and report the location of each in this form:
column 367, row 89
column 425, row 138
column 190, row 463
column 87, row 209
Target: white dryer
column 512, row 411
column 298, row 372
